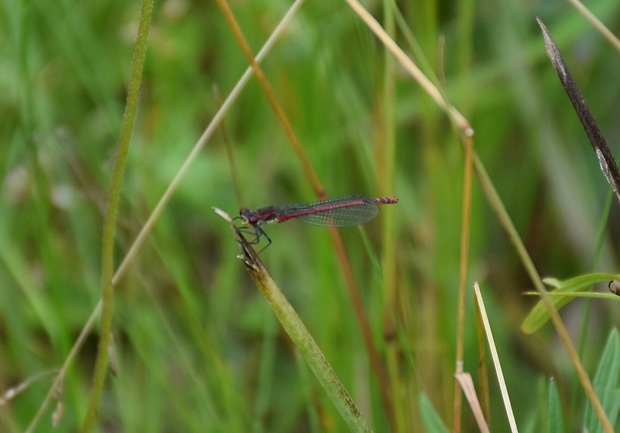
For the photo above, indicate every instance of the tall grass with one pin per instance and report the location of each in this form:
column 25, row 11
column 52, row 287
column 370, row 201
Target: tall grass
column 196, row 346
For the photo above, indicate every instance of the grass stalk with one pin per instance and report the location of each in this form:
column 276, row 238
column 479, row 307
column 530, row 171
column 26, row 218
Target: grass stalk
column 172, row 187
column 299, row 334
column 495, row 356
column 206, row 136
column 271, row 98
column 483, row 374
column 352, row 287
column 463, row 265
column 111, row 214
column 596, row 23
column 465, row 128
column 500, row 211
column 386, row 155
column 453, row 114
column 492, row 197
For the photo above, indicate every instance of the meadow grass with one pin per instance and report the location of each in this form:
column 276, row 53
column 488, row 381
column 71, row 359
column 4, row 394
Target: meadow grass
column 196, row 346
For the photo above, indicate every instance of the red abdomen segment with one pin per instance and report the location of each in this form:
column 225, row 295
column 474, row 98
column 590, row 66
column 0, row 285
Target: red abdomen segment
column 386, row 200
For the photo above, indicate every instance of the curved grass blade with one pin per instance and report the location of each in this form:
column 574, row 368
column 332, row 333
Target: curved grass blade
column 539, row 314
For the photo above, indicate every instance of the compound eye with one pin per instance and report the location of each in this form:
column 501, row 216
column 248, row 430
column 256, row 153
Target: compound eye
column 246, row 217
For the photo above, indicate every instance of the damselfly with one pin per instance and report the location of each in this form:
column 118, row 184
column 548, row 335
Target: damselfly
column 351, row 210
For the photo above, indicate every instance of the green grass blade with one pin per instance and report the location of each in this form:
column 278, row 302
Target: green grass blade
column 430, row 418
column 555, row 422
column 299, row 334
column 111, row 215
column 606, row 385
column 539, row 314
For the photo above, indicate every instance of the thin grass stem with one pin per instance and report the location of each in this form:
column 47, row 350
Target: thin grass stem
column 111, row 214
column 148, row 226
column 463, row 265
column 353, row 290
column 273, row 101
column 455, row 116
column 598, row 25
column 500, row 211
column 495, row 356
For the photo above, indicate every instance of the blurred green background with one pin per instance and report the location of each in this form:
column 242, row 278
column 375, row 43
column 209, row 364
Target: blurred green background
column 198, row 348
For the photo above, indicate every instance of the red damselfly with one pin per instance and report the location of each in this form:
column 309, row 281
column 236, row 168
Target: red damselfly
column 346, row 211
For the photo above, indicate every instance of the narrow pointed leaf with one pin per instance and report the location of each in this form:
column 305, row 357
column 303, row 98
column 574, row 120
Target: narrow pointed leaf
column 539, row 314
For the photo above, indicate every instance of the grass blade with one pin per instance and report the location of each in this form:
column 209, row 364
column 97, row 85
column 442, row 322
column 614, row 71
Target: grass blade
column 606, row 385
column 555, row 422
column 495, row 356
column 109, row 225
column 300, row 336
column 430, row 418
column 540, row 315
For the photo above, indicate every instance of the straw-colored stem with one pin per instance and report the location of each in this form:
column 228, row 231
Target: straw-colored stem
column 464, row 261
column 495, row 356
column 353, row 290
column 273, row 101
column 500, row 211
column 455, row 116
column 598, row 25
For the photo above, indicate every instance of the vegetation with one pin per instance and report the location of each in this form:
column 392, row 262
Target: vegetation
column 195, row 345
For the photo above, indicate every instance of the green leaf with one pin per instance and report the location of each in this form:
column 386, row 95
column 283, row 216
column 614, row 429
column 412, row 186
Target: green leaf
column 555, row 421
column 606, row 385
column 431, row 420
column 539, row 314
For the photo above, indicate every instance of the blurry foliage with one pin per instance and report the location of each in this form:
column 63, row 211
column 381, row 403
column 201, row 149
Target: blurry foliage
column 199, row 349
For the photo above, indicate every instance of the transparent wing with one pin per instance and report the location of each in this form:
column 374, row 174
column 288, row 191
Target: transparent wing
column 336, row 212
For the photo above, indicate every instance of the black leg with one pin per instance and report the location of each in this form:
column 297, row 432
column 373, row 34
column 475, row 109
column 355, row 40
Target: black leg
column 257, row 232
column 262, row 232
